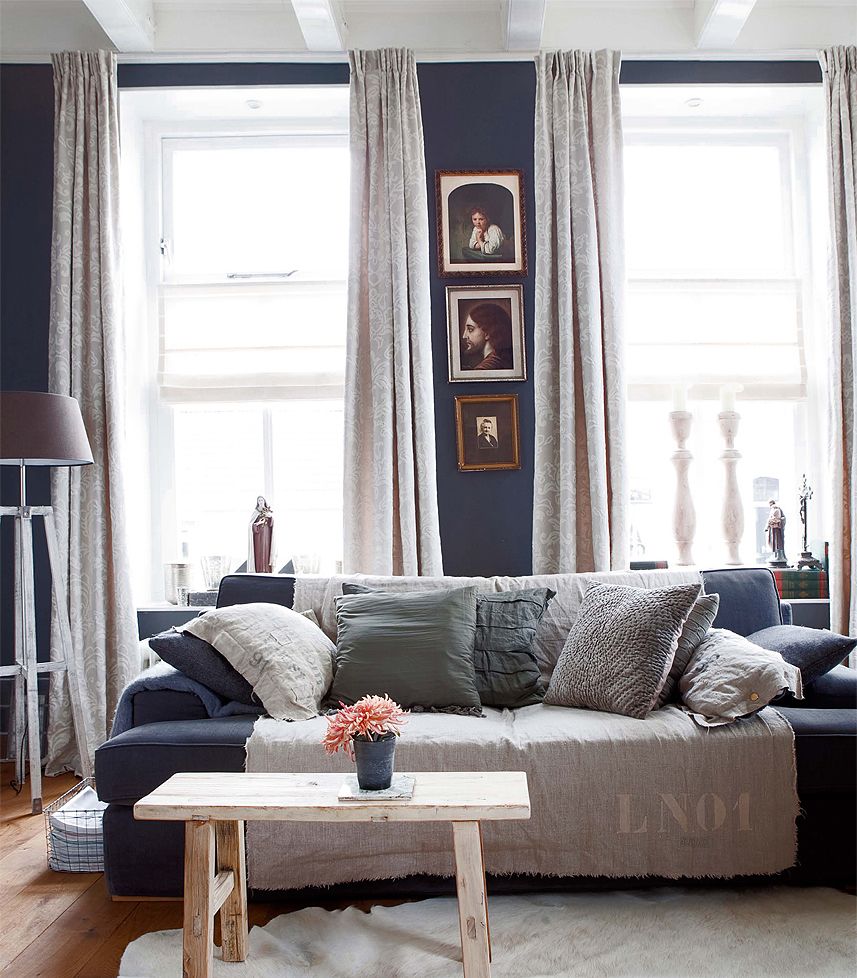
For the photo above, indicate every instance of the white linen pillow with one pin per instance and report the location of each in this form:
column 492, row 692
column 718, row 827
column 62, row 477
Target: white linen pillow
column 286, row 658
column 729, row 677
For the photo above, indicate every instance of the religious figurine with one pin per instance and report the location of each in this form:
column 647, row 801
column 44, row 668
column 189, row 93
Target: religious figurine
column 806, row 557
column 775, row 533
column 261, row 550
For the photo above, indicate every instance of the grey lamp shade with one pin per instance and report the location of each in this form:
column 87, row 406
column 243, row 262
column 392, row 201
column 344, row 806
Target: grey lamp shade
column 42, row 429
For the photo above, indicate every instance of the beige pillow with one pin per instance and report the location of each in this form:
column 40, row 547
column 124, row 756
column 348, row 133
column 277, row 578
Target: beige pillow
column 286, row 658
column 729, row 677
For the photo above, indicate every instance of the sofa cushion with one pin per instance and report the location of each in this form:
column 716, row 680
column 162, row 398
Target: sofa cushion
column 693, row 631
column 825, row 750
column 507, row 673
column 199, row 660
column 139, row 760
column 729, row 677
column 835, row 690
column 286, row 658
column 620, row 648
column 748, row 598
column 814, row 651
column 416, row 647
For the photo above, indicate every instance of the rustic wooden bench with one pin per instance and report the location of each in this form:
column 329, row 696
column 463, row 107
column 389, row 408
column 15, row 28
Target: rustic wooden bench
column 215, row 807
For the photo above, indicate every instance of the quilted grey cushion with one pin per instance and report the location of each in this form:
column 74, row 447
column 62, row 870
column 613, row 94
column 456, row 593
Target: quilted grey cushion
column 620, row 648
column 694, row 630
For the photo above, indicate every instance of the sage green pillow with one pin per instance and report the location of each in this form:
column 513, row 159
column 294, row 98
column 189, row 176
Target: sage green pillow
column 416, row 647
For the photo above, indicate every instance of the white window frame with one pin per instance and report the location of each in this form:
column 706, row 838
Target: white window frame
column 163, row 528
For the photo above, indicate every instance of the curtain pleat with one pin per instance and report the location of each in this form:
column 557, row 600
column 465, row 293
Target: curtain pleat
column 580, row 510
column 84, row 362
column 390, row 503
column 839, row 69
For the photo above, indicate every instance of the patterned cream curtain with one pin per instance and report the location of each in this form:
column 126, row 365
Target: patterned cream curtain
column 390, row 507
column 839, row 68
column 85, row 355
column 579, row 504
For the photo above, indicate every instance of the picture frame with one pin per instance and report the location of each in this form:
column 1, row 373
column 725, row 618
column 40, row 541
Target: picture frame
column 481, row 228
column 486, row 432
column 485, row 332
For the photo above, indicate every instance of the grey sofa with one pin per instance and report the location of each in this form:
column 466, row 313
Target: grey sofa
column 172, row 732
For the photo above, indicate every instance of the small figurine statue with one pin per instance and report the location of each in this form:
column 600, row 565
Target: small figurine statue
column 775, row 533
column 806, row 557
column 261, row 550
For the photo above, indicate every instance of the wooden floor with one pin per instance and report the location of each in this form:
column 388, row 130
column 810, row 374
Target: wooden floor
column 64, row 925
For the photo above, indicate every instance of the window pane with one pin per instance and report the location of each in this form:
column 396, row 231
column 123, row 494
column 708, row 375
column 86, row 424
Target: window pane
column 705, row 208
column 256, row 207
column 307, row 438
column 768, row 436
column 219, row 473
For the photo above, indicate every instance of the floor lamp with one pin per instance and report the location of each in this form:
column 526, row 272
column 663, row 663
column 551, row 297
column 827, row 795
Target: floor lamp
column 40, row 429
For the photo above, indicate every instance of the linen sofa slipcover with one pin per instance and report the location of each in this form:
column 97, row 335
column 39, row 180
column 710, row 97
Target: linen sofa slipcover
column 145, row 859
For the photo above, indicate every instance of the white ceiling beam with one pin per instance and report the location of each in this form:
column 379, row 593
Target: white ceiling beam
column 320, row 24
column 525, row 20
column 719, row 22
column 130, row 24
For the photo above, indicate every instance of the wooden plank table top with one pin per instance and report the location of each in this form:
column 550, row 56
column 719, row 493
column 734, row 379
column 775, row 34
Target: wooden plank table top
column 438, row 797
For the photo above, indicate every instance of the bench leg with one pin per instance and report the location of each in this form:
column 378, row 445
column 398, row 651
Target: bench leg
column 472, row 902
column 198, row 943
column 233, row 913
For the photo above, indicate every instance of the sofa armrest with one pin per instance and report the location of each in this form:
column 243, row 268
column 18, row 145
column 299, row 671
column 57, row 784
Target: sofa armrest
column 158, row 705
column 786, row 612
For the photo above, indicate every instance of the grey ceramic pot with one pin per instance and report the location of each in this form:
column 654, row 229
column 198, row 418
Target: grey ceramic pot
column 374, row 760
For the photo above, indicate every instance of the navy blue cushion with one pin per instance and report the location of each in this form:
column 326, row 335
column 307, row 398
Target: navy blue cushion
column 825, row 750
column 813, row 650
column 202, row 662
column 748, row 598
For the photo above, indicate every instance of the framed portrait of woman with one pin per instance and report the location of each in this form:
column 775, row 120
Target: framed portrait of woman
column 480, row 222
column 485, row 325
column 486, row 432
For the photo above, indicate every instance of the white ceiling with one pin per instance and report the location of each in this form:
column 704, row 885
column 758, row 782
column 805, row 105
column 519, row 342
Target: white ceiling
column 434, row 29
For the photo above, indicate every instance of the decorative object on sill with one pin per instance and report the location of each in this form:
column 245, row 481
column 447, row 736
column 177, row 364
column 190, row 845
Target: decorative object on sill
column 176, row 576
column 73, row 830
column 46, row 430
column 733, row 510
column 775, row 534
column 367, row 731
column 806, row 556
column 260, row 555
column 793, row 584
column 684, row 513
column 202, row 599
column 214, row 568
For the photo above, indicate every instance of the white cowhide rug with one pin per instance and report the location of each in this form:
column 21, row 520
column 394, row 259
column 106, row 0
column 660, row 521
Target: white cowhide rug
column 772, row 932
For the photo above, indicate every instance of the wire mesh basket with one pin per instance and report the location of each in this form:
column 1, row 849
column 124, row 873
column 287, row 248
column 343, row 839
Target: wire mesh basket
column 74, row 831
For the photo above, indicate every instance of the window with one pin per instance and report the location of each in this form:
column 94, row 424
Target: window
column 720, row 211
column 246, row 229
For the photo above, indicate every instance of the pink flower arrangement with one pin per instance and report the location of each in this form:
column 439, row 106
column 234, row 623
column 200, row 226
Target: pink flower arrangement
column 370, row 718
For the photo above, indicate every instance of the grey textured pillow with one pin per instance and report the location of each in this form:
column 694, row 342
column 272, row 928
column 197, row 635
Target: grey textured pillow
column 416, row 647
column 729, row 677
column 620, row 648
column 507, row 673
column 285, row 657
column 693, row 631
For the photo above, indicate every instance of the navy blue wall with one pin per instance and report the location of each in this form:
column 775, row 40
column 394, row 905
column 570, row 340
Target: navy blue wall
column 26, row 196
column 481, row 117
